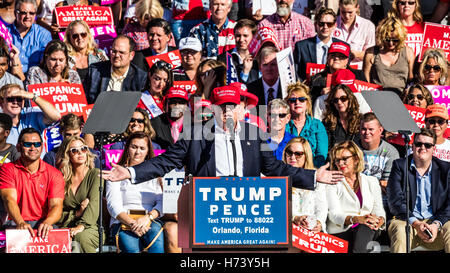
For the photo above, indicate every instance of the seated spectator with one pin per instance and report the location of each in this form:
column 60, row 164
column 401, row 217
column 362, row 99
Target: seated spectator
column 355, row 208
column 117, row 74
column 436, row 119
column 289, row 26
column 134, row 235
column 81, row 195
column 277, row 117
column 83, row 50
column 8, row 152
column 54, row 66
column 12, row 100
column 309, row 208
column 69, row 125
column 303, row 124
column 390, row 62
column 216, row 33
column 5, row 60
column 210, row 74
column 429, row 198
column 341, row 117
column 191, row 57
column 417, row 95
column 433, row 69
column 355, row 30
column 159, row 36
column 27, row 207
column 169, row 125
column 159, row 80
column 29, row 38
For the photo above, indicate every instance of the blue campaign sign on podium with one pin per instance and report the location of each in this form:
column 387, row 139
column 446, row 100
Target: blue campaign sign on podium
column 241, row 211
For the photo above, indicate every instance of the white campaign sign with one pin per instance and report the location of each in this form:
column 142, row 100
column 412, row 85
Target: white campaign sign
column 172, row 183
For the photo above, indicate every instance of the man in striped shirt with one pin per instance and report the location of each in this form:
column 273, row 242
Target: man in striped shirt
column 216, row 34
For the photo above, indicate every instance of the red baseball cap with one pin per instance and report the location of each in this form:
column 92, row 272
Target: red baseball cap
column 177, row 92
column 252, row 99
column 340, row 47
column 344, row 76
column 226, row 94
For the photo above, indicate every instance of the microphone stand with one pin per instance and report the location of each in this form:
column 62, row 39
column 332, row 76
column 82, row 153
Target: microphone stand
column 406, row 135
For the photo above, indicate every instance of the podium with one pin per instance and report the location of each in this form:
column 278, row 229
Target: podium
column 235, row 214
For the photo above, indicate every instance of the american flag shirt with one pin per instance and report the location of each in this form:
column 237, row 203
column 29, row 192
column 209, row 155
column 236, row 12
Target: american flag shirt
column 214, row 41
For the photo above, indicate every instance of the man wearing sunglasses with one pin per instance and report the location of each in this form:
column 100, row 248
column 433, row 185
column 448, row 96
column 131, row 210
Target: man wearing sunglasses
column 429, row 209
column 32, row 190
column 29, row 38
column 436, row 119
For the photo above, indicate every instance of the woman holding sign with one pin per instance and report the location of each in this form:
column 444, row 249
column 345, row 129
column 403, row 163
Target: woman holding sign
column 355, row 206
column 81, row 200
column 136, row 207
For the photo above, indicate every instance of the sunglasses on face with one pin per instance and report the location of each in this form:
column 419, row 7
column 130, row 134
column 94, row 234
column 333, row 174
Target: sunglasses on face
column 14, row 99
column 342, row 99
column 162, row 64
column 80, row 150
column 138, row 120
column 439, row 121
column 280, row 115
column 403, row 3
column 298, row 154
column 32, row 13
column 393, row 40
column 329, row 24
column 299, row 99
column 418, row 96
column 29, row 144
column 345, row 159
column 419, row 144
column 78, row 35
column 434, row 67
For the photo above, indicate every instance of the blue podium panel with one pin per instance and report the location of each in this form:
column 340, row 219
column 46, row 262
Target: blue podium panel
column 241, row 212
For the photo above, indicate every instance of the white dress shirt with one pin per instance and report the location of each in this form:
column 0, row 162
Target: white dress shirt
column 115, row 83
column 224, row 152
column 320, row 51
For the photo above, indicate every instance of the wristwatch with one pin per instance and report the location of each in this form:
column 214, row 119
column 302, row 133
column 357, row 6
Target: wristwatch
column 34, row 98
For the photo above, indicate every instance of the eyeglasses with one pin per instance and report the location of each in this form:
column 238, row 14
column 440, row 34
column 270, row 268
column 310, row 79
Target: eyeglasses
column 80, row 150
column 418, row 96
column 342, row 99
column 298, row 154
column 32, row 13
column 29, row 144
column 14, row 99
column 428, row 67
column 329, row 24
column 345, row 158
column 299, row 99
column 77, row 35
column 280, row 115
column 433, row 121
column 419, row 144
column 138, row 120
column 393, row 40
column 403, row 3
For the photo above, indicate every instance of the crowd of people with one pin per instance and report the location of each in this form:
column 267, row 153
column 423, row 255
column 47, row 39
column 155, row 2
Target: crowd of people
column 347, row 171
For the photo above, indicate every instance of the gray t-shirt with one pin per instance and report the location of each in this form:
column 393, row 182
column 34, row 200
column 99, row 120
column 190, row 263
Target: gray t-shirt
column 378, row 162
column 11, row 155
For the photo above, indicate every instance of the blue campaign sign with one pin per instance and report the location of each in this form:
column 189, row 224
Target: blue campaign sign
column 244, row 211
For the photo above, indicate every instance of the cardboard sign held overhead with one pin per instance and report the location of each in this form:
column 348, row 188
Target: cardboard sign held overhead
column 92, row 15
column 436, row 36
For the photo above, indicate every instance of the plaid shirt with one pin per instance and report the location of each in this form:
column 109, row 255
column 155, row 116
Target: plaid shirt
column 215, row 41
column 296, row 28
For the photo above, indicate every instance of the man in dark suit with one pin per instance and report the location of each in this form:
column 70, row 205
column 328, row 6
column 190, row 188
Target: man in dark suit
column 223, row 146
column 429, row 206
column 117, row 74
column 315, row 49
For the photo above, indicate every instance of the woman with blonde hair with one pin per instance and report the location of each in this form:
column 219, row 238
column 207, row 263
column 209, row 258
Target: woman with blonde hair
column 433, row 69
column 81, row 200
column 390, row 62
column 82, row 48
column 303, row 124
column 309, row 208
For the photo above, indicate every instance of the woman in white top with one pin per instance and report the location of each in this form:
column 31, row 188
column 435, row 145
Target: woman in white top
column 144, row 232
column 309, row 208
column 356, row 212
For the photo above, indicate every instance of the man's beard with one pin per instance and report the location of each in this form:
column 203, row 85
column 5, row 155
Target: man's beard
column 283, row 9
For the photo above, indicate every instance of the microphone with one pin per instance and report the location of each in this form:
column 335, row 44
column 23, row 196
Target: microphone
column 230, row 127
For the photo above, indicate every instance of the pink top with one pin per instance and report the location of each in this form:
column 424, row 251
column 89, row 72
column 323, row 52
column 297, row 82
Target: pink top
column 359, row 195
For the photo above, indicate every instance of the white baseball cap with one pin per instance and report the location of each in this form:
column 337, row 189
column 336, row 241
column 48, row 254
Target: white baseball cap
column 190, row 43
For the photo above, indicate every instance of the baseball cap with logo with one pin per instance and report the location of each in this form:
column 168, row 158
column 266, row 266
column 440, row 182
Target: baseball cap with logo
column 252, row 99
column 340, row 47
column 226, row 94
column 190, row 43
column 436, row 110
column 177, row 92
column 344, row 76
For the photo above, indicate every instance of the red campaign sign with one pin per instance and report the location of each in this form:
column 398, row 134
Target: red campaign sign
column 66, row 97
column 172, row 57
column 189, row 86
column 418, row 114
column 436, row 36
column 313, row 69
column 92, row 15
column 317, row 242
column 366, row 86
column 87, row 111
column 20, row 241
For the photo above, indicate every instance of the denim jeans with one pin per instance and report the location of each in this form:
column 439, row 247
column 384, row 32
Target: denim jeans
column 129, row 242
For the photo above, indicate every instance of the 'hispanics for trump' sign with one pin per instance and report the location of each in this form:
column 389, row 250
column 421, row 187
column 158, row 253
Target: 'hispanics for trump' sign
column 92, row 15
column 20, row 241
column 173, row 58
column 317, row 242
column 436, row 36
column 244, row 211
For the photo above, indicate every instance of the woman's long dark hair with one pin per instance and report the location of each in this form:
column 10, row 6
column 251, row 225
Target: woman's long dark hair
column 53, row 46
column 125, row 158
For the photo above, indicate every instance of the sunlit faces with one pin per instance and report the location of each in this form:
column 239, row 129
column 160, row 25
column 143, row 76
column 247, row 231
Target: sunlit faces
column 56, row 63
column 340, row 101
column 325, row 26
column 25, row 15
column 11, row 104
column 158, row 39
column 269, row 68
column 243, row 37
column 432, row 72
column 30, row 147
column 219, row 9
column 345, row 162
column 278, row 118
column 121, row 56
column 416, row 98
column 298, row 103
column 295, row 155
column 371, row 131
column 137, row 151
column 406, row 8
column 348, row 13
column 78, row 152
column 158, row 81
column 79, row 37
column 3, row 66
column 423, row 148
column 137, row 123
column 437, row 125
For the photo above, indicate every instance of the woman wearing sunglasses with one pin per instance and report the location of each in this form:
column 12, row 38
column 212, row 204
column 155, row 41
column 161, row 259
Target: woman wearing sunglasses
column 81, row 199
column 433, row 69
column 355, row 207
column 341, row 116
column 418, row 95
column 309, row 208
column 436, row 119
column 303, row 124
column 82, row 48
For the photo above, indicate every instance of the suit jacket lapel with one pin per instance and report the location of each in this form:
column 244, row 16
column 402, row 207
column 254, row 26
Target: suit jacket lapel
column 434, row 186
column 312, row 50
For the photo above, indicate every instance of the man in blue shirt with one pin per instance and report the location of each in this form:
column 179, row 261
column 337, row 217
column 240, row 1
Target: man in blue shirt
column 29, row 38
column 429, row 209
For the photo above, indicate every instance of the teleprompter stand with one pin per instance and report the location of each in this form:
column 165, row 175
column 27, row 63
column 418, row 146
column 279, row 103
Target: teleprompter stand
column 111, row 114
column 394, row 117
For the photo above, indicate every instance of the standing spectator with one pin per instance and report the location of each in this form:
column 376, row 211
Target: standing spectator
column 81, row 195
column 54, row 66
column 21, row 181
column 29, row 38
column 216, row 33
column 433, row 69
column 289, row 26
column 390, row 62
column 191, row 57
column 436, row 119
column 277, row 117
column 118, row 74
column 355, row 208
column 355, row 30
column 429, row 197
column 12, row 98
column 186, row 14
